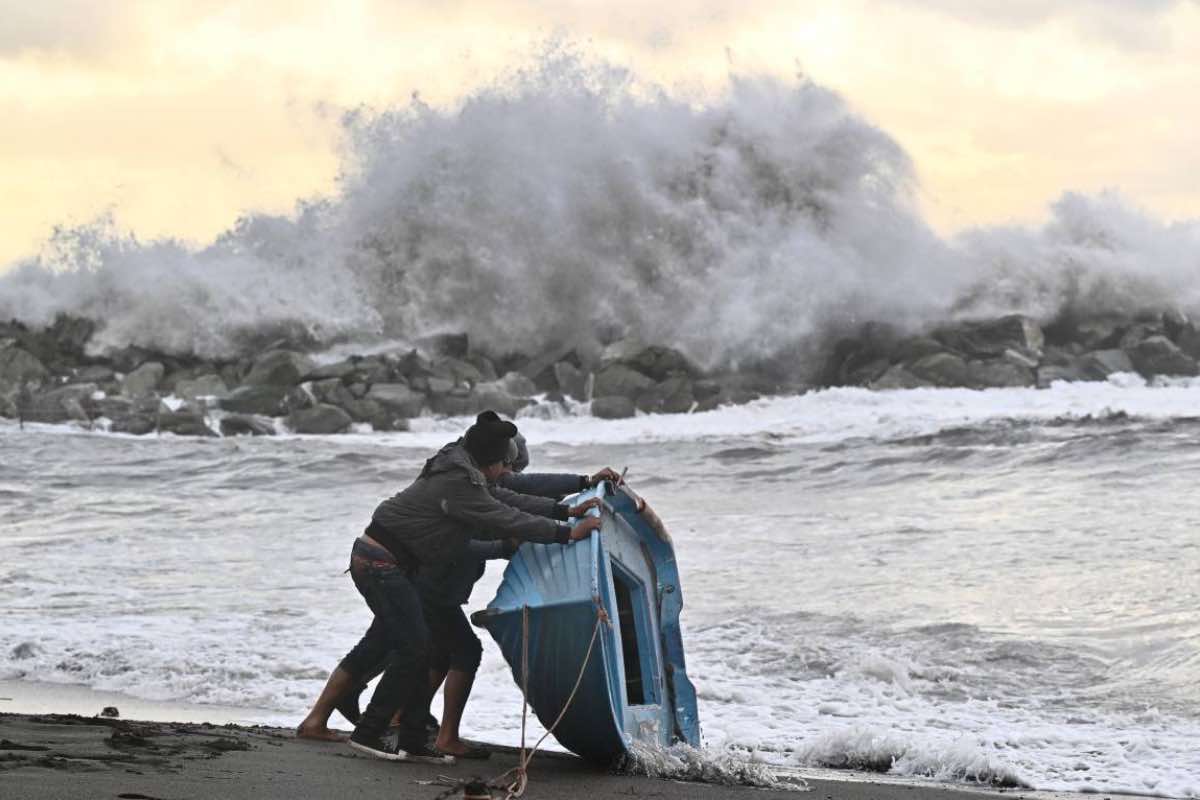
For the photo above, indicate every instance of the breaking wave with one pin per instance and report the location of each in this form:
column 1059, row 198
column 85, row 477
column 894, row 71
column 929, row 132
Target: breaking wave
column 572, row 201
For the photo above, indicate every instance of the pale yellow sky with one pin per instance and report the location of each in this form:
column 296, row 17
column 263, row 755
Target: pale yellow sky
column 178, row 115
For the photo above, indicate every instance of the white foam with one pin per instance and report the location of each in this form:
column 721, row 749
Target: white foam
column 839, row 414
column 826, row 416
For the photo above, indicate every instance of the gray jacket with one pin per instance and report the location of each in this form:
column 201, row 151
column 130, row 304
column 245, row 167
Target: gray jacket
column 450, row 503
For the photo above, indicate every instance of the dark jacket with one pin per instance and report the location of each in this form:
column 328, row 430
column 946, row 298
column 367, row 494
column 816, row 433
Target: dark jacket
column 450, row 503
column 544, row 484
column 450, row 584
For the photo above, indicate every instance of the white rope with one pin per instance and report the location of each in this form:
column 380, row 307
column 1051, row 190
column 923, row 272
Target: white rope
column 516, row 788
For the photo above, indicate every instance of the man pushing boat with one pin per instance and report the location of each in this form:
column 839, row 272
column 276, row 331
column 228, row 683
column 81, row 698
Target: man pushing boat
column 444, row 588
column 431, row 523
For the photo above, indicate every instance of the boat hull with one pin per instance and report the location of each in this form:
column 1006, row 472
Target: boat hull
column 617, row 596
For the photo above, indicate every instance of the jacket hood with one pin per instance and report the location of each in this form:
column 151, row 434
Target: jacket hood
column 453, row 457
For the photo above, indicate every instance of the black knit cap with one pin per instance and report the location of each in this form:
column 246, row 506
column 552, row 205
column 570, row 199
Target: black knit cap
column 487, row 440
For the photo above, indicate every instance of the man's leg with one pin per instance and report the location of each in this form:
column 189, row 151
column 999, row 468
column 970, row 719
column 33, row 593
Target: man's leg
column 316, row 724
column 458, row 691
column 346, row 682
column 463, row 653
column 404, row 684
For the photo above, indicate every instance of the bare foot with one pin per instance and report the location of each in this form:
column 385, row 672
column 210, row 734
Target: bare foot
column 318, row 732
column 461, row 749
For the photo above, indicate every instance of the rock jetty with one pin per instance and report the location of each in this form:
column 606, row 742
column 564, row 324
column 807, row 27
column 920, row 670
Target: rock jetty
column 49, row 375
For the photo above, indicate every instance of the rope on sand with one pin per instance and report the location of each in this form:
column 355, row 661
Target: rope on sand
column 516, row 780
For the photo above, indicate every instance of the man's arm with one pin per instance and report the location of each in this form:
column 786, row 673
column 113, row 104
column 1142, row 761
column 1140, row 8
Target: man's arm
column 492, row 519
column 530, row 503
column 544, row 484
column 485, row 550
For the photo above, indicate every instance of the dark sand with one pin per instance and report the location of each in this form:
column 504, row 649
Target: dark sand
column 59, row 756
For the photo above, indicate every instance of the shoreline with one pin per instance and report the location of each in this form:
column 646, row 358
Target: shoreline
column 58, row 756
column 162, row 750
column 34, row 698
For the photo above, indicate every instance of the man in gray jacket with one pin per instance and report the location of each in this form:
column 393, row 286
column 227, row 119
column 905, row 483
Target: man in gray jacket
column 443, row 587
column 431, row 523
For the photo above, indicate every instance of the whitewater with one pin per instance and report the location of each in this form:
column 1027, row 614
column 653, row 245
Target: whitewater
column 993, row 586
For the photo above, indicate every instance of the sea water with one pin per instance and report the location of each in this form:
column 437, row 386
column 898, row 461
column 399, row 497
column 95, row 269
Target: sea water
column 996, row 586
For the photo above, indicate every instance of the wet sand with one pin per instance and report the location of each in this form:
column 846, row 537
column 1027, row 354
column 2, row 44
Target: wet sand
column 68, row 756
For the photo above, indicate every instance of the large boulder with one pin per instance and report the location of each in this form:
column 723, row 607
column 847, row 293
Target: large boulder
column 516, row 384
column 487, row 369
column 374, row 369
column 320, row 418
column 1158, row 355
column 999, row 373
column 380, row 417
column 1091, row 333
column 914, row 348
column 62, row 343
column 267, row 400
column 247, row 425
column 727, row 396
column 183, row 423
column 1137, row 333
column 208, row 385
column 612, row 407
column 19, row 368
column 661, row 363
column 571, row 380
column 397, row 398
column 898, row 377
column 137, row 424
column 990, row 338
column 941, row 369
column 456, row 370
column 66, row 403
column 671, row 396
column 1183, row 332
column 278, row 368
column 856, row 372
column 340, row 369
column 485, row 396
column 455, row 345
column 144, row 380
column 127, row 415
column 331, row 391
column 1099, row 364
column 1049, row 374
column 618, row 380
column 95, row 373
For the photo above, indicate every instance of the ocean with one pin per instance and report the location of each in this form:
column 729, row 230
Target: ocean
column 993, row 586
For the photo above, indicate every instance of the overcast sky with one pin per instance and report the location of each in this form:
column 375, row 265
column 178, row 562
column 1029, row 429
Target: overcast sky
column 178, row 115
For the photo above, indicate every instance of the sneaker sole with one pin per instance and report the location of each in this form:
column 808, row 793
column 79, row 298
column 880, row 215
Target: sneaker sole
column 447, row 761
column 386, row 756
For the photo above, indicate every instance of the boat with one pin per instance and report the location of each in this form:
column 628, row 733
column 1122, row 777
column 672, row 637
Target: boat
column 601, row 621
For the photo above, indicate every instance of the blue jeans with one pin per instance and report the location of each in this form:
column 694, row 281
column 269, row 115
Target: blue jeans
column 399, row 630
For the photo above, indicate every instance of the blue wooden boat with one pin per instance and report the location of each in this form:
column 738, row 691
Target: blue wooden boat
column 634, row 687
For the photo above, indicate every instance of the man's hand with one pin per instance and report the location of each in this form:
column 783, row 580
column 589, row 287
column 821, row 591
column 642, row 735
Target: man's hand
column 583, row 529
column 582, row 508
column 606, row 474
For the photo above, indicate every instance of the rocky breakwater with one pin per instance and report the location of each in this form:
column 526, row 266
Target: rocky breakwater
column 49, row 375
column 1017, row 350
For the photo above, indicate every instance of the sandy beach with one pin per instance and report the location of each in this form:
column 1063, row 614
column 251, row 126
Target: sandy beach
column 70, row 756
